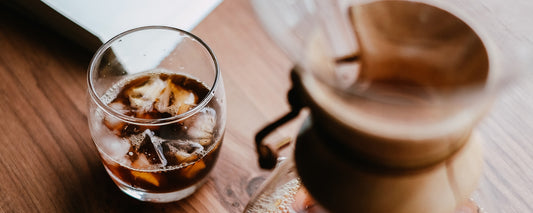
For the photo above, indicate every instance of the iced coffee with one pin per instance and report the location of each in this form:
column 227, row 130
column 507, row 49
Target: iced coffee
column 158, row 131
column 162, row 158
column 159, row 158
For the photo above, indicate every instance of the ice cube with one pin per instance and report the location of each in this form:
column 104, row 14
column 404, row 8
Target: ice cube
column 184, row 108
column 120, row 128
column 115, row 148
column 142, row 98
column 175, row 99
column 202, row 126
column 141, row 162
column 156, row 144
column 178, row 151
column 117, row 126
column 148, row 145
column 114, row 124
column 162, row 96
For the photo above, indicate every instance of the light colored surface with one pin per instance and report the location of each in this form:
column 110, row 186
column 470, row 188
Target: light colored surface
column 106, row 19
column 507, row 130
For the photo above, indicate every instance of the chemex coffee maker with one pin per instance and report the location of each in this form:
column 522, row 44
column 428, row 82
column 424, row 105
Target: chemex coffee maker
column 395, row 90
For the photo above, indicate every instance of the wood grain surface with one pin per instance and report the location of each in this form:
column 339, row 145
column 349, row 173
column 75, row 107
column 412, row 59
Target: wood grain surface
column 49, row 162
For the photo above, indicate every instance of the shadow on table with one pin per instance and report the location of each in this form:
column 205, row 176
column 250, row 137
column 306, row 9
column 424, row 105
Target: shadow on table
column 100, row 194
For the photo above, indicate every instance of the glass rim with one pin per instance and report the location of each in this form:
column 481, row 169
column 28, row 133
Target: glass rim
column 146, row 121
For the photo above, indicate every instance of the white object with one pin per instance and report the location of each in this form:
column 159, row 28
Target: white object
column 93, row 22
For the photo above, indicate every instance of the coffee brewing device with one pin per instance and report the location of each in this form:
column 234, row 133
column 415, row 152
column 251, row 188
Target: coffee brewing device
column 395, row 90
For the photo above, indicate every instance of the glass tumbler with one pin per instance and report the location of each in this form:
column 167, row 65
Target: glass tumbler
column 156, row 111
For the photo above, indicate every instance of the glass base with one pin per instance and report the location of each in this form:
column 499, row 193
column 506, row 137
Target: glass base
column 157, row 197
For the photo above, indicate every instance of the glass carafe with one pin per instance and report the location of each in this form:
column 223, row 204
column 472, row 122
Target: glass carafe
column 395, row 90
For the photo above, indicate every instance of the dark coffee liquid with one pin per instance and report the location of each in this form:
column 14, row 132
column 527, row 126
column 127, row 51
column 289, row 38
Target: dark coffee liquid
column 161, row 158
column 165, row 180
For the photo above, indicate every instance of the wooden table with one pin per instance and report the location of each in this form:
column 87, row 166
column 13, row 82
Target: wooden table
column 51, row 165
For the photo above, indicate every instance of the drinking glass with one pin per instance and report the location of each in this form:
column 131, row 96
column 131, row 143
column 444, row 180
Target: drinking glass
column 157, row 111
